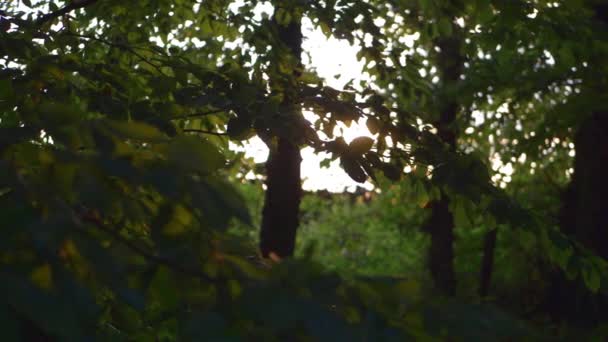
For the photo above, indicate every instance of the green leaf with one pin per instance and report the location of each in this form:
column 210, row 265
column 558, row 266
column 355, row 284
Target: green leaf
column 163, row 289
column 108, row 271
column 420, row 194
column 195, row 154
column 231, row 199
column 282, row 17
column 445, row 26
column 136, row 130
column 206, row 28
column 46, row 310
column 6, row 91
column 239, row 128
column 461, row 215
column 591, row 277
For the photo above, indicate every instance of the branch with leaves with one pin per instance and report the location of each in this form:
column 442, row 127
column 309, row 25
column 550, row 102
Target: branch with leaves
column 74, row 5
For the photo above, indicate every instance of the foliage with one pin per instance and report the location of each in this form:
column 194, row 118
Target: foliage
column 122, row 216
column 358, row 236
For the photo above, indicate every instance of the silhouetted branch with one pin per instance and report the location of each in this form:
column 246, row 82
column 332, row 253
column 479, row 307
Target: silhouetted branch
column 74, row 5
column 193, row 115
column 202, row 131
column 120, row 46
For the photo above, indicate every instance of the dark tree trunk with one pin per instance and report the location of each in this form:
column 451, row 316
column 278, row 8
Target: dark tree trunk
column 282, row 202
column 440, row 227
column 284, row 190
column 584, row 217
column 584, row 212
column 441, row 222
column 487, row 262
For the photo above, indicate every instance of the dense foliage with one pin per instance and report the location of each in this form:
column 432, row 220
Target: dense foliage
column 126, row 216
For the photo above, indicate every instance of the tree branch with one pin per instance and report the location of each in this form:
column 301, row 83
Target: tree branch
column 74, row 5
column 193, row 115
column 121, row 46
column 203, row 132
column 172, row 264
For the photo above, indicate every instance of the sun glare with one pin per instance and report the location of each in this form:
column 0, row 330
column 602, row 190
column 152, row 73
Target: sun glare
column 335, row 61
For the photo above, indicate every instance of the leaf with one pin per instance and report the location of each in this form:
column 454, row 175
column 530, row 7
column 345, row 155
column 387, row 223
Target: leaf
column 337, row 146
column 137, row 131
column 6, row 91
column 367, row 166
column 360, row 145
column 405, row 131
column 57, row 114
column 45, row 309
column 181, row 219
column 245, row 266
column 195, row 154
column 42, row 276
column 354, row 169
column 373, row 125
column 231, row 199
column 391, row 171
column 239, row 128
column 163, row 289
column 559, row 241
column 591, row 277
column 420, row 194
column 461, row 216
column 108, row 270
column 282, row 17
column 408, row 288
column 445, row 26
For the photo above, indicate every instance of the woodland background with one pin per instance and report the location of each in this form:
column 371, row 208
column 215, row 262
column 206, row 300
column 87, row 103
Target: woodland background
column 127, row 214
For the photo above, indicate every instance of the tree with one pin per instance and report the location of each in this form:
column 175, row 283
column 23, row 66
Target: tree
column 443, row 40
column 280, row 218
column 552, row 100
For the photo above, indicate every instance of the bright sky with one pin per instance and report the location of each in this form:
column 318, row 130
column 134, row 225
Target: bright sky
column 330, row 57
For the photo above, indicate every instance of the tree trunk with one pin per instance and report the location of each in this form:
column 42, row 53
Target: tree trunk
column 583, row 217
column 282, row 202
column 441, row 251
column 584, row 212
column 283, row 184
column 487, row 262
column 441, row 222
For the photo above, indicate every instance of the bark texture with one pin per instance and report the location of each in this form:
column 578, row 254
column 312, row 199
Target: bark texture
column 487, row 262
column 282, row 201
column 440, row 225
column 585, row 212
column 280, row 216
